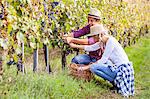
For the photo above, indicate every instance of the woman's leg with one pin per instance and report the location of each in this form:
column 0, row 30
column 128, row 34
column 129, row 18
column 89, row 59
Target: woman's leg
column 82, row 59
column 103, row 71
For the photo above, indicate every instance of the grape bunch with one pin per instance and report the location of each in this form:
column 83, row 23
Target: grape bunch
column 1, row 11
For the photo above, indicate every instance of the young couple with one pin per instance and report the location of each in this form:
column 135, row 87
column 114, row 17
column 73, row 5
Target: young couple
column 108, row 58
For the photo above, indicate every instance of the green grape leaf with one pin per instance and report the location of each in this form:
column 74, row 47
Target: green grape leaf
column 20, row 36
column 3, row 43
column 33, row 45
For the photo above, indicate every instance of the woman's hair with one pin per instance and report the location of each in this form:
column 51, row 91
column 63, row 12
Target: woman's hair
column 105, row 32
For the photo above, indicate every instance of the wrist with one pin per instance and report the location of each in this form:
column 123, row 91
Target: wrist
column 73, row 40
column 72, row 34
column 80, row 68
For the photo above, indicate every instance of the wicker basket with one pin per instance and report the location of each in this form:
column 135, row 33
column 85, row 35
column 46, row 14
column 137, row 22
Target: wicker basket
column 85, row 74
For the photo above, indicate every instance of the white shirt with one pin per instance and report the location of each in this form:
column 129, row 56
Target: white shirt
column 113, row 52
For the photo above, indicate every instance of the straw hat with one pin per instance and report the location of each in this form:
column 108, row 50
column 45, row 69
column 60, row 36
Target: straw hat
column 96, row 29
column 94, row 13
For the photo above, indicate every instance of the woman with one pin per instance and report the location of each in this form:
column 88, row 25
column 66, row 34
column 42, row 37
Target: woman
column 121, row 73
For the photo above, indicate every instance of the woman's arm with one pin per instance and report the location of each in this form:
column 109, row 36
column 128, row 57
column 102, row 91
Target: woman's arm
column 92, row 47
column 88, row 48
column 77, row 41
column 76, row 46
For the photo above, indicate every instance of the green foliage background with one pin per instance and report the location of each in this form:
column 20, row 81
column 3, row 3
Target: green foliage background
column 38, row 22
column 32, row 22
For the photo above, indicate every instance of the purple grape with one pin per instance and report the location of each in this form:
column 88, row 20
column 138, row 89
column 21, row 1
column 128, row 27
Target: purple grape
column 54, row 4
column 49, row 15
column 2, row 12
column 1, row 16
column 11, row 33
column 42, row 29
column 43, row 24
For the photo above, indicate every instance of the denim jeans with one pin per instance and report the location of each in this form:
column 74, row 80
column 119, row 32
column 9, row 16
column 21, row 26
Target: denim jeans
column 83, row 59
column 103, row 71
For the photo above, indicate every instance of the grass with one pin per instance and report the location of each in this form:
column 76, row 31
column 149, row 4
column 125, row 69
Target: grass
column 140, row 55
column 59, row 85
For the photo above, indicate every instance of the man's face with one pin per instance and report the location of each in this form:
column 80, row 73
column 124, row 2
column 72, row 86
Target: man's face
column 92, row 21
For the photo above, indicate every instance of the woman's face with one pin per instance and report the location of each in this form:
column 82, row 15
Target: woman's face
column 96, row 38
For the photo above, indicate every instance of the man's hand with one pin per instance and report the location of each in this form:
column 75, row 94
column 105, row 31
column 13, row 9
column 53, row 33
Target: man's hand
column 68, row 35
column 69, row 39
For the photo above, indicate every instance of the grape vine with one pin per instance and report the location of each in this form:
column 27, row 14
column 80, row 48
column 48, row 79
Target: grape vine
column 38, row 22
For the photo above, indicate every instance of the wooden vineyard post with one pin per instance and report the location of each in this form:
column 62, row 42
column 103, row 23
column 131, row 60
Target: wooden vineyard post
column 1, row 61
column 35, row 60
column 46, row 54
column 77, row 52
column 146, row 29
column 63, row 59
column 23, row 68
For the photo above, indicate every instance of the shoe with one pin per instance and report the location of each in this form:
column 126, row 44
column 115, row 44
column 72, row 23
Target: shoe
column 114, row 88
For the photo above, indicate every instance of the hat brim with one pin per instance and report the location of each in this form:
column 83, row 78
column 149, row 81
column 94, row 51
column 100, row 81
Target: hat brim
column 92, row 34
column 94, row 16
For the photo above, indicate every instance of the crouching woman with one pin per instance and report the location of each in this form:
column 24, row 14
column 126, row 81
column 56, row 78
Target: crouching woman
column 121, row 73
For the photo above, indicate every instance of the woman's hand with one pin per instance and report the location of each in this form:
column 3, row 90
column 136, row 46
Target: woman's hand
column 80, row 69
column 87, row 67
column 72, row 45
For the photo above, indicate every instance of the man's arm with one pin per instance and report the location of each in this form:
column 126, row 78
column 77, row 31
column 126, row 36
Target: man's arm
column 83, row 31
column 80, row 41
column 78, row 33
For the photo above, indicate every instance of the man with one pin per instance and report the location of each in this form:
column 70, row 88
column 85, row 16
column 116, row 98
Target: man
column 93, row 19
